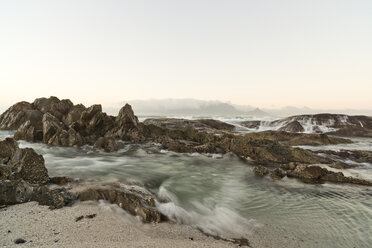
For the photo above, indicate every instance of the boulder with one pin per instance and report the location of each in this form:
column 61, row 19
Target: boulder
column 126, row 118
column 134, row 199
column 15, row 192
column 26, row 164
column 108, row 144
column 54, row 198
column 260, row 170
column 293, row 127
column 95, row 123
column 54, row 106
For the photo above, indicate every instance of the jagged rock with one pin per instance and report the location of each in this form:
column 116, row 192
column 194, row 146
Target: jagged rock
column 74, row 114
column 29, row 133
column 70, row 138
column 126, row 117
column 260, row 170
column 8, row 147
column 26, row 164
column 54, row 106
column 293, row 127
column 308, row 172
column 95, row 122
column 18, row 114
column 52, row 128
column 15, row 192
column 108, row 144
column 134, row 199
column 278, row 174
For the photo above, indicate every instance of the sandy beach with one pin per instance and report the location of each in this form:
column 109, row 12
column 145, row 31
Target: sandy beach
column 112, row 227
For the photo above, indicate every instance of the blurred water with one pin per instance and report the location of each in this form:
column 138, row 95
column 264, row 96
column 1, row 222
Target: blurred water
column 220, row 194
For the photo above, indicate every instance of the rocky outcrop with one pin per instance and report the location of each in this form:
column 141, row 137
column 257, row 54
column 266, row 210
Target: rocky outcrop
column 293, row 127
column 8, row 147
column 299, row 139
column 317, row 174
column 205, row 125
column 134, row 199
column 354, row 155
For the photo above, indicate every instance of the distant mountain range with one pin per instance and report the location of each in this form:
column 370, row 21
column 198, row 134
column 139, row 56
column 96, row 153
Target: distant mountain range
column 194, row 107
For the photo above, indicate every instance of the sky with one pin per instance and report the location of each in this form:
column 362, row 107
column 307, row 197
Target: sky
column 267, row 53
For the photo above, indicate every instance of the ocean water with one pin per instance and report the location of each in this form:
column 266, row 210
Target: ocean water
column 220, row 195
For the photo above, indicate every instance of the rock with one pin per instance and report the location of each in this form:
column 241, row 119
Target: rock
column 74, row 114
column 19, row 241
column 54, row 198
column 260, row 170
column 60, row 180
column 205, row 125
column 313, row 173
column 289, row 166
column 278, row 174
column 70, row 138
column 54, row 106
column 293, row 127
column 126, row 118
column 15, row 192
column 135, row 200
column 26, row 164
column 108, row 144
column 52, row 128
column 29, row 133
column 8, row 147
column 94, row 122
column 18, row 114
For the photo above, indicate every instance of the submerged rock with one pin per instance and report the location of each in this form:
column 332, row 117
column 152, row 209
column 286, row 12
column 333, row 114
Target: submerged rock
column 108, row 144
column 134, row 199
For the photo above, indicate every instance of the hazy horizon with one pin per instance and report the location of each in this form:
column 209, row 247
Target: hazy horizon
column 266, row 54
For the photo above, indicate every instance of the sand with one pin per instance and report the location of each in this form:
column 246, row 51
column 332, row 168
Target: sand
column 111, row 227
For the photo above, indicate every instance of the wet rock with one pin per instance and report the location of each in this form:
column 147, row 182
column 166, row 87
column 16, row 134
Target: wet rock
column 313, row 173
column 205, row 125
column 54, row 198
column 108, row 144
column 60, row 180
column 293, row 127
column 289, row 166
column 260, row 170
column 134, row 199
column 26, row 164
column 251, row 124
column 278, row 174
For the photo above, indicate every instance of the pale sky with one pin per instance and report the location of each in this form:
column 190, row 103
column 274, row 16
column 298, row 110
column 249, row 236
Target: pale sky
column 315, row 53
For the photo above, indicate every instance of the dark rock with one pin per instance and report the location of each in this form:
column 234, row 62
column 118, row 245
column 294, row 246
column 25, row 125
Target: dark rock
column 108, row 144
column 54, row 106
column 135, row 200
column 79, row 218
column 126, row 118
column 278, row 174
column 16, row 115
column 313, row 173
column 293, row 127
column 52, row 128
column 260, row 170
column 90, row 216
column 26, row 164
column 74, row 114
column 19, row 241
